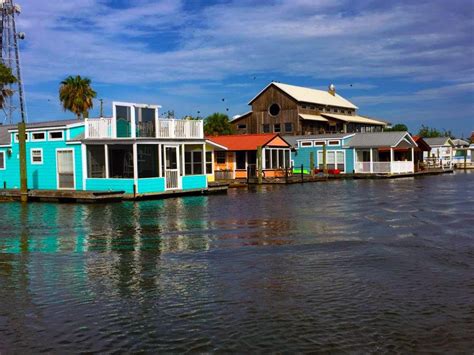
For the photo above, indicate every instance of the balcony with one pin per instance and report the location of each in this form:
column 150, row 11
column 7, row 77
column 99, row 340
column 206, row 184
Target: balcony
column 104, row 128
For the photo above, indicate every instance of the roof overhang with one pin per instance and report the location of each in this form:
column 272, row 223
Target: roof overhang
column 214, row 144
column 313, row 117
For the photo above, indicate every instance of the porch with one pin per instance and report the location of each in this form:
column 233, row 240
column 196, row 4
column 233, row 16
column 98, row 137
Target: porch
column 384, row 161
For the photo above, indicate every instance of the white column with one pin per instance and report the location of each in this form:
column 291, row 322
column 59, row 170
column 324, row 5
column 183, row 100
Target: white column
column 135, row 164
column 86, row 128
column 156, row 122
column 263, row 159
column 412, row 159
column 84, row 165
column 183, row 169
column 354, row 158
column 371, row 161
column 391, row 160
column 160, row 159
column 106, row 151
column 133, row 125
column 204, row 159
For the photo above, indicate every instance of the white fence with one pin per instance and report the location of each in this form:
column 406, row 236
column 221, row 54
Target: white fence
column 98, row 128
column 167, row 128
column 382, row 167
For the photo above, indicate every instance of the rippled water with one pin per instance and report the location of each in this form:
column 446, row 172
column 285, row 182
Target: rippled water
column 365, row 266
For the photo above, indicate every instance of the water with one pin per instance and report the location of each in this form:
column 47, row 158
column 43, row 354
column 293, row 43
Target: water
column 364, row 266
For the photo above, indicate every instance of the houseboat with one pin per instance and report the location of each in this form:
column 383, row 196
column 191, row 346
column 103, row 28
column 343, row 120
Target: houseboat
column 442, row 150
column 133, row 151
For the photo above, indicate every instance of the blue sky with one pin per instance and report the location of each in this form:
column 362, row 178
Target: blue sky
column 405, row 61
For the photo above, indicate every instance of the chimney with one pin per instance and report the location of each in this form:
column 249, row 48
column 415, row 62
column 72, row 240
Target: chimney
column 332, row 90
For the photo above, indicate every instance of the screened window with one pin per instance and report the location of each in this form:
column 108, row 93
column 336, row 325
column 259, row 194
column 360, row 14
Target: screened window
column 38, row 136
column 147, row 158
column 220, row 157
column 193, row 162
column 266, row 128
column 56, row 135
column 277, row 158
column 36, row 156
column 96, row 161
column 2, row 160
column 208, row 162
column 120, row 161
column 288, row 127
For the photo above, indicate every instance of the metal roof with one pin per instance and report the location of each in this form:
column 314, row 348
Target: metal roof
column 379, row 139
column 313, row 117
column 293, row 140
column 315, row 96
column 355, row 119
column 243, row 141
column 439, row 141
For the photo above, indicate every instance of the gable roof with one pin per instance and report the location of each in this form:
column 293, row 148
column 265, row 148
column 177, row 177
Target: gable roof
column 314, row 96
column 439, row 141
column 244, row 141
column 425, row 147
column 238, row 117
column 460, row 143
column 379, row 139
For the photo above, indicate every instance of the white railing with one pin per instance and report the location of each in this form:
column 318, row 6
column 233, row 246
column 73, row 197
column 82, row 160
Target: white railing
column 98, row 128
column 172, row 181
column 383, row 167
column 169, row 128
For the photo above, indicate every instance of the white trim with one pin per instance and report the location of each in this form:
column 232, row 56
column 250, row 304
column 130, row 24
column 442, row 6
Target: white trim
column 106, row 152
column 178, row 170
column 31, row 156
column 32, row 136
column 403, row 137
column 11, row 130
column 73, row 168
column 74, row 125
column 3, row 153
column 84, row 165
column 135, row 164
column 300, row 144
column 216, row 145
column 336, row 161
column 334, row 140
column 55, row 139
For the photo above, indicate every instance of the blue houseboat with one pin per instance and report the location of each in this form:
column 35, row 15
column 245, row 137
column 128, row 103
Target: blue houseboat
column 133, row 151
column 359, row 153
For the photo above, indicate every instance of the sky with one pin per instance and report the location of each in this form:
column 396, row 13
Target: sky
column 408, row 62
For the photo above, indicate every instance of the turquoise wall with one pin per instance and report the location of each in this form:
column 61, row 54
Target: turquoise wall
column 39, row 176
column 151, row 185
column 76, row 131
column 194, row 182
column 302, row 156
column 110, row 185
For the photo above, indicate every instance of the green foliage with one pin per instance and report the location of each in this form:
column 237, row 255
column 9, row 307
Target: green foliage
column 429, row 132
column 399, row 127
column 76, row 95
column 6, row 78
column 169, row 114
column 217, row 124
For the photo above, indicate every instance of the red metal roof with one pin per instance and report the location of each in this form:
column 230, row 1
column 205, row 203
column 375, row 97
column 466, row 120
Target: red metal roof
column 243, row 141
column 422, row 145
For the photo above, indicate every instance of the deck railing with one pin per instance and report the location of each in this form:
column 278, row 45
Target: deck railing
column 166, row 128
column 382, row 167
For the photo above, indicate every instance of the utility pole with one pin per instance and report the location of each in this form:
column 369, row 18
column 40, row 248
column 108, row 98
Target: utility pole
column 101, row 108
column 10, row 56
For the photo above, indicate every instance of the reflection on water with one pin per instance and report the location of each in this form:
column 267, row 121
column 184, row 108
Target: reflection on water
column 346, row 265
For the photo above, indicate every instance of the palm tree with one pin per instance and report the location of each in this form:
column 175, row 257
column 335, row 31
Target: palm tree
column 76, row 94
column 6, row 78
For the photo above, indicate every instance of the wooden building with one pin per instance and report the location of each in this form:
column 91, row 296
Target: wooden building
column 296, row 110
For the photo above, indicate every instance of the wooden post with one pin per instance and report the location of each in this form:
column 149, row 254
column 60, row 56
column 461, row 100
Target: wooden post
column 302, row 177
column 248, row 174
column 22, row 146
column 311, row 163
column 465, row 159
column 259, row 165
column 325, row 165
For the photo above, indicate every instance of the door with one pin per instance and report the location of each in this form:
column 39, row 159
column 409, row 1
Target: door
column 172, row 167
column 65, row 168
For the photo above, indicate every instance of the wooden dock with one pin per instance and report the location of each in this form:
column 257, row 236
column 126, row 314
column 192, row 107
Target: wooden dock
column 213, row 188
column 63, row 196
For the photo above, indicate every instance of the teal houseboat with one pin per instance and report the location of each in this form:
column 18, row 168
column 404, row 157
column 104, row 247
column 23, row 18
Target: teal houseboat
column 133, row 151
column 358, row 153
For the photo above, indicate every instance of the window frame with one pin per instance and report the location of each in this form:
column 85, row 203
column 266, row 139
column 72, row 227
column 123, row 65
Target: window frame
column 32, row 156
column 305, row 144
column 55, row 139
column 4, row 160
column 331, row 143
column 241, row 126
column 191, row 163
column 33, row 139
column 16, row 140
column 209, row 163
column 286, row 126
column 275, row 128
column 219, row 155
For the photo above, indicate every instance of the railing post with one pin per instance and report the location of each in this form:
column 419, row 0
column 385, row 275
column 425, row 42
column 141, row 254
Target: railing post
column 86, row 128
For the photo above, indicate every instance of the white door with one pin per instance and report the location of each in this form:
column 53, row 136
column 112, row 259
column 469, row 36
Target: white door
column 65, row 168
column 172, row 167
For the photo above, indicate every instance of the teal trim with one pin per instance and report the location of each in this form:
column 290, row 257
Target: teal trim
column 194, row 182
column 110, row 185
column 151, row 185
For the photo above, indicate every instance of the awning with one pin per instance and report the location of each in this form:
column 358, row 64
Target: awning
column 313, row 117
column 354, row 119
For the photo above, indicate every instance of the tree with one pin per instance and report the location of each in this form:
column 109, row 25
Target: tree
column 76, row 95
column 399, row 127
column 429, row 132
column 217, row 124
column 6, row 78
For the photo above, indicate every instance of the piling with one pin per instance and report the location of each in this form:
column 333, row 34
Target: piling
column 22, row 146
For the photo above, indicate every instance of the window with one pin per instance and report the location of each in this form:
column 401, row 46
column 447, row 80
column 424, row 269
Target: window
column 38, row 136
column 56, row 135
column 277, row 158
column 208, row 162
column 123, row 116
column 274, row 109
column 312, row 107
column 17, row 140
column 120, row 161
column 36, row 156
column 240, row 160
column 333, row 143
column 306, row 144
column 335, row 159
column 320, row 143
column 96, row 161
column 220, row 157
column 147, row 158
column 276, row 128
column 2, row 161
column 266, row 128
column 288, row 127
column 193, row 162
column 304, row 106
column 241, row 126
